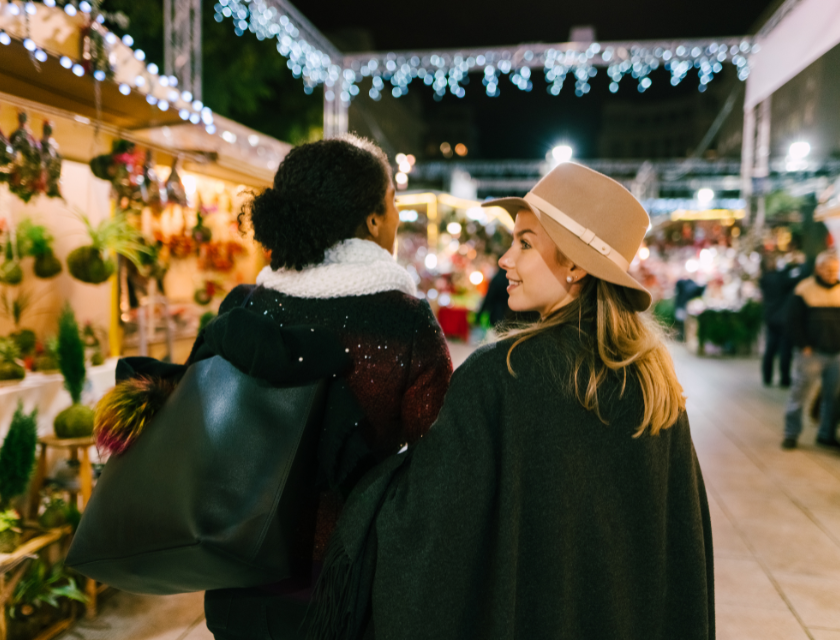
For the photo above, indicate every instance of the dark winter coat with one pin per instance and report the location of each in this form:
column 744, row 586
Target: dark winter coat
column 814, row 316
column 522, row 516
column 776, row 290
column 399, row 373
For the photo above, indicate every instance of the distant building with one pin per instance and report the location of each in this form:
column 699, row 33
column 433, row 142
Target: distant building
column 670, row 128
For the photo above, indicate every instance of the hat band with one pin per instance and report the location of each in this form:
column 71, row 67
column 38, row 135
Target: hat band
column 586, row 235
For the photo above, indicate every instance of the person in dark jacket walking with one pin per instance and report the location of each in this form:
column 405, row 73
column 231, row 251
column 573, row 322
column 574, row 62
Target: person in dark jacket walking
column 776, row 288
column 558, row 495
column 330, row 223
column 814, row 323
column 495, row 303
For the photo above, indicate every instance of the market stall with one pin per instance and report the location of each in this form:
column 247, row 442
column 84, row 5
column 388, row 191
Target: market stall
column 119, row 197
column 701, row 280
column 451, row 247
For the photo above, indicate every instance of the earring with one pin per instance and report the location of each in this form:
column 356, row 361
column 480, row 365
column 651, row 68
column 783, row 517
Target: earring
column 570, row 279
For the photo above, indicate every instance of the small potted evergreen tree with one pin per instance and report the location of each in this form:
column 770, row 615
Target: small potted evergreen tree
column 76, row 421
column 17, row 459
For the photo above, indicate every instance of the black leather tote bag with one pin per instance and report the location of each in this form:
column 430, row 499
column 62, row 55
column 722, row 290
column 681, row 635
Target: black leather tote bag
column 219, row 491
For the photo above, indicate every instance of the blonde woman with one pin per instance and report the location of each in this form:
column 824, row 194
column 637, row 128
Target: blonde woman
column 558, row 495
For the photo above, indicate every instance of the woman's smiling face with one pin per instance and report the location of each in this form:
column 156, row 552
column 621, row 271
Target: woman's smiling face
column 536, row 270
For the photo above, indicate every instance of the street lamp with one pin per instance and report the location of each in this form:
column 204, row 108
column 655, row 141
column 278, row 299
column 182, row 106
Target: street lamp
column 799, row 150
column 705, row 196
column 562, row 153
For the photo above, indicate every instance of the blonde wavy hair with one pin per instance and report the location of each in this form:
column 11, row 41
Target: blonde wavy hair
column 625, row 342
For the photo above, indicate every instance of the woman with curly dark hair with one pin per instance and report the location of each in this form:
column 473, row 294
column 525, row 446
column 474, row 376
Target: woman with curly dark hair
column 330, row 223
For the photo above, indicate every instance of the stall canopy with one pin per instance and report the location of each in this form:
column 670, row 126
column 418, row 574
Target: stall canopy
column 797, row 36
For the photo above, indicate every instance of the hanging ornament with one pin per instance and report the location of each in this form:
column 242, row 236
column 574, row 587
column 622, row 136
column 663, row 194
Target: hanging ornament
column 152, row 190
column 6, row 157
column 36, row 241
column 51, row 162
column 96, row 52
column 175, row 192
column 25, row 178
column 123, row 168
column 201, row 233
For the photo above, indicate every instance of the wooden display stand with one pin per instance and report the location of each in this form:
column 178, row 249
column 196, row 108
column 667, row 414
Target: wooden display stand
column 12, row 568
column 78, row 449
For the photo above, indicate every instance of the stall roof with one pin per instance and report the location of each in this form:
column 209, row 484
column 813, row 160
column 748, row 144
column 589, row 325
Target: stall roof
column 121, row 107
column 52, row 85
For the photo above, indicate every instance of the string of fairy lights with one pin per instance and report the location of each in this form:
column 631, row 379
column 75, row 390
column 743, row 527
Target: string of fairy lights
column 159, row 89
column 394, row 72
column 449, row 71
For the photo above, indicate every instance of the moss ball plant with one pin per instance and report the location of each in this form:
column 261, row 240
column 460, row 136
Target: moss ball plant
column 34, row 240
column 10, row 368
column 77, row 420
column 91, row 263
column 25, row 340
column 9, row 530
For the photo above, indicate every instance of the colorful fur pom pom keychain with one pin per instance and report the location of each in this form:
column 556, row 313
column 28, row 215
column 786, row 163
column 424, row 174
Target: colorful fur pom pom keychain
column 126, row 410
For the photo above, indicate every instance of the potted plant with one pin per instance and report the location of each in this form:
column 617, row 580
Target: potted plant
column 14, row 308
column 10, row 367
column 9, row 530
column 56, row 512
column 10, row 271
column 17, row 456
column 43, row 596
column 46, row 355
column 36, row 241
column 76, row 421
column 91, row 263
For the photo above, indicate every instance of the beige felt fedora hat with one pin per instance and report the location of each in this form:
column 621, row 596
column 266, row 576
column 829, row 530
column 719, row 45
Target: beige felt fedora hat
column 592, row 219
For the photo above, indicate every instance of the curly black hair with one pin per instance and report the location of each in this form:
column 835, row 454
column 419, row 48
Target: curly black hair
column 322, row 193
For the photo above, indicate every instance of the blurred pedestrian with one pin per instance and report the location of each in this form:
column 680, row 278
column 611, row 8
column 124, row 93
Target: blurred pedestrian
column 495, row 303
column 776, row 288
column 685, row 290
column 814, row 322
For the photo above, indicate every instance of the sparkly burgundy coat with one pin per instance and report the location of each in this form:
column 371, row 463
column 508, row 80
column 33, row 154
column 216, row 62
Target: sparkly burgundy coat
column 401, row 365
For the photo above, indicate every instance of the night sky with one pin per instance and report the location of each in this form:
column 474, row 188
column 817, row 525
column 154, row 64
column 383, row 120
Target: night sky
column 525, row 125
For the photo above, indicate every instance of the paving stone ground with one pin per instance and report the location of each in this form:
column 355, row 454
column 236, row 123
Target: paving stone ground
column 775, row 515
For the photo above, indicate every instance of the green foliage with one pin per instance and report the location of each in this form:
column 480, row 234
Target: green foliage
column 245, row 79
column 33, row 239
column 116, row 234
column 9, row 519
column 57, row 513
column 87, row 264
column 71, row 354
column 9, row 350
column 10, row 532
column 17, row 455
column 732, row 330
column 11, row 273
column 780, row 202
column 205, row 319
column 25, row 340
column 665, row 312
column 15, row 307
column 76, row 421
column 44, row 585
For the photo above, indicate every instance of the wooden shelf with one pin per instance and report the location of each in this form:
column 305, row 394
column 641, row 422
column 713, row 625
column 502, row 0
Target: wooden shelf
column 9, row 561
column 51, row 632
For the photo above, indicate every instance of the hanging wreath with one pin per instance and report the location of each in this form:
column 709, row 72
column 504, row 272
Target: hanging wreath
column 29, row 166
column 125, row 169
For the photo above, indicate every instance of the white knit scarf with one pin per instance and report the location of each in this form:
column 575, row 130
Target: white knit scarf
column 352, row 267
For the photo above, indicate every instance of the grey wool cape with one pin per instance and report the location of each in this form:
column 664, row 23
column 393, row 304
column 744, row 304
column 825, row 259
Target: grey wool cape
column 522, row 515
